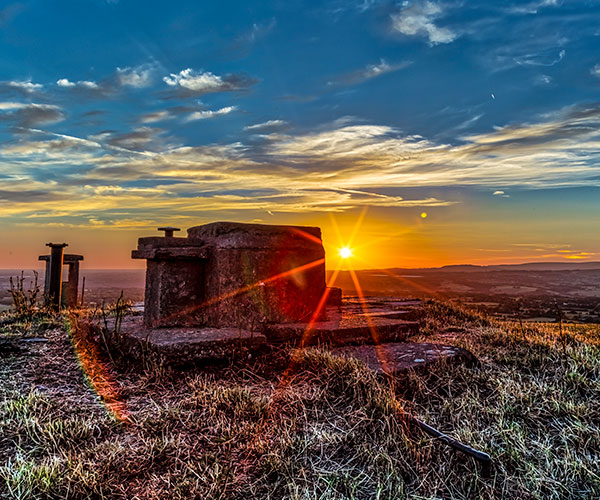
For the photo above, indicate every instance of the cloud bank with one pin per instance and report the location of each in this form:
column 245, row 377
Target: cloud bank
column 115, row 179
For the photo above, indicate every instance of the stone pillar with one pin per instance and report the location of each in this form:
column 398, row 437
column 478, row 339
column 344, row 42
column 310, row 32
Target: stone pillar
column 55, row 275
column 47, row 274
column 72, row 283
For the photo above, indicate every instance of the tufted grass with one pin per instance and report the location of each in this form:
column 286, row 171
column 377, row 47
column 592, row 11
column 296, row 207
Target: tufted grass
column 304, row 424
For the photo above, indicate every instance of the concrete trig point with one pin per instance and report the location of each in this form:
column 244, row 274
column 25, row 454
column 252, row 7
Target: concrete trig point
column 53, row 284
column 229, row 288
column 228, row 274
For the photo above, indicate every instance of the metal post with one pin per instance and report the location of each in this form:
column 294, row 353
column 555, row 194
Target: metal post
column 55, row 280
column 169, row 231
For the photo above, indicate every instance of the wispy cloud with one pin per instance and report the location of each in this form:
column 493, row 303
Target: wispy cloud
column 258, row 31
column 336, row 167
column 556, row 250
column 25, row 87
column 548, row 57
column 111, row 85
column 173, row 112
column 268, row 125
column 156, row 116
column 10, row 106
column 191, row 82
column 65, row 82
column 244, row 42
column 575, row 255
column 90, row 89
column 580, row 256
column 370, row 71
column 595, row 71
column 542, row 80
column 138, row 77
column 88, row 84
column 205, row 114
column 543, row 246
column 30, row 114
column 143, row 139
column 532, row 7
column 418, row 19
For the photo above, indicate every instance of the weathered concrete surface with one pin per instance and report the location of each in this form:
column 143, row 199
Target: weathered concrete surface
column 174, row 292
column 342, row 328
column 385, row 307
column 334, row 296
column 260, row 273
column 177, row 346
column 396, row 358
column 236, row 275
column 405, row 315
column 236, row 235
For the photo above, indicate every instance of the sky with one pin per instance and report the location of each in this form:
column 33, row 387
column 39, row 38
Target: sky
column 420, row 133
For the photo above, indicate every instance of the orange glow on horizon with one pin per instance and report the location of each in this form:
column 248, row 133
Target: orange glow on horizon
column 447, row 236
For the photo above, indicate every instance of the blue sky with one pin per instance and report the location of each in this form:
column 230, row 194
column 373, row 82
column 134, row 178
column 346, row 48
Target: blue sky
column 116, row 116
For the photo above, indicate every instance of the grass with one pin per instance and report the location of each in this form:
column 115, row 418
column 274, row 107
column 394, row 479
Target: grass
column 304, row 425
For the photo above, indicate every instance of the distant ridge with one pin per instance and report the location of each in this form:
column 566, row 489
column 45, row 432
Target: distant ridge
column 529, row 266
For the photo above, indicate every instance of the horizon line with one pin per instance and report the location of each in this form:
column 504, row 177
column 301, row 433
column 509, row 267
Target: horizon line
column 549, row 262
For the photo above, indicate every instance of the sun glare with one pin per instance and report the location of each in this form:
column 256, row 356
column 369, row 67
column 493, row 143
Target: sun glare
column 345, row 252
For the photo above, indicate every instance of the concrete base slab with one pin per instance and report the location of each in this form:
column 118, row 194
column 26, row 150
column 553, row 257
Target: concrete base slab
column 343, row 328
column 405, row 315
column 183, row 345
column 385, row 302
column 385, row 307
column 396, row 358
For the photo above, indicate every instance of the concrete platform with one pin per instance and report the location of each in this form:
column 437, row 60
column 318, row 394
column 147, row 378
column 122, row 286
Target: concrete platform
column 385, row 307
column 405, row 315
column 182, row 345
column 396, row 358
column 343, row 328
column 383, row 302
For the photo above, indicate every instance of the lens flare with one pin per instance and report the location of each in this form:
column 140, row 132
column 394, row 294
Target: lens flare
column 345, row 252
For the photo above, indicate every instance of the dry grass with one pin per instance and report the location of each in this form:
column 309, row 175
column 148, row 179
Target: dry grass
column 306, row 425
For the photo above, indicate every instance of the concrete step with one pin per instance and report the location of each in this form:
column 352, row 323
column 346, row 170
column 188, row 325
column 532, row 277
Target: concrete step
column 384, row 307
column 409, row 315
column 177, row 346
column 386, row 302
column 343, row 330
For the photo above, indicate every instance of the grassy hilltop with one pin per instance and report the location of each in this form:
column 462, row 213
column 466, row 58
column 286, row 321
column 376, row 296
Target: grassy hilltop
column 79, row 422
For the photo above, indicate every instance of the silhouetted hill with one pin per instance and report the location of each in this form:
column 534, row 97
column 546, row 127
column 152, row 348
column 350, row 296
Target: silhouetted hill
column 529, row 266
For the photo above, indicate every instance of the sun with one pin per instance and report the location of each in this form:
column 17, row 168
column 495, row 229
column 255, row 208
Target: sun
column 345, row 252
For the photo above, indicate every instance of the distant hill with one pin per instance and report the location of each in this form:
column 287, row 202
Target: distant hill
column 530, row 266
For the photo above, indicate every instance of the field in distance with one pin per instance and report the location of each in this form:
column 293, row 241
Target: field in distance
column 535, row 291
